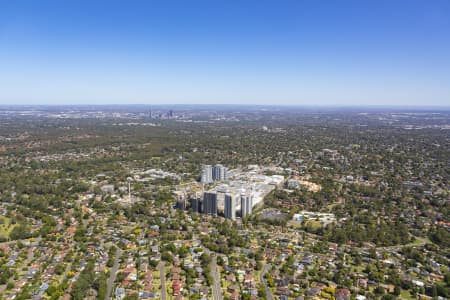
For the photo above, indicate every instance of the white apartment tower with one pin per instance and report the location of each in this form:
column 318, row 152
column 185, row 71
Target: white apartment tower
column 230, row 206
column 207, row 174
column 219, row 173
column 246, row 205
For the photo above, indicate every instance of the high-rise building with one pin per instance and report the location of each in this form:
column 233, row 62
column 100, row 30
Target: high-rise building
column 196, row 203
column 210, row 203
column 220, row 201
column 181, row 198
column 207, row 174
column 246, row 205
column 210, row 174
column 230, row 206
column 219, row 173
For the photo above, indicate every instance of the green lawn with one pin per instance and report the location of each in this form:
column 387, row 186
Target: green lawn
column 5, row 226
column 406, row 295
column 420, row 241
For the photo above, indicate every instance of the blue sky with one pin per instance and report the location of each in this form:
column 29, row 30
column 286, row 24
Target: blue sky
column 229, row 52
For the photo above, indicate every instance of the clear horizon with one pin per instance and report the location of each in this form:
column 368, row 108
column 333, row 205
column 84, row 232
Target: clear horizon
column 281, row 106
column 290, row 53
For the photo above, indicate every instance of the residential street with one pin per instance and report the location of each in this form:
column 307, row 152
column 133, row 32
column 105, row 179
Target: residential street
column 113, row 274
column 216, row 290
column 263, row 280
column 162, row 276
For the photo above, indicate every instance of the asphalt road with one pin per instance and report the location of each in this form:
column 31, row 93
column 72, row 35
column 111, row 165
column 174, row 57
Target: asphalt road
column 162, row 276
column 113, row 274
column 216, row 290
column 263, row 280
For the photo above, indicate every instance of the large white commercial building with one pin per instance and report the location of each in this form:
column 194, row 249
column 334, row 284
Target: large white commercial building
column 239, row 193
column 232, row 193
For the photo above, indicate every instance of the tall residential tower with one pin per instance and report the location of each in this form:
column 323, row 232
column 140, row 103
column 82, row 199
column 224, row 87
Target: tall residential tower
column 230, row 206
column 246, row 205
column 210, row 203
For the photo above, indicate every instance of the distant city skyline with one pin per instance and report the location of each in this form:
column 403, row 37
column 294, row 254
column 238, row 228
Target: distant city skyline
column 334, row 53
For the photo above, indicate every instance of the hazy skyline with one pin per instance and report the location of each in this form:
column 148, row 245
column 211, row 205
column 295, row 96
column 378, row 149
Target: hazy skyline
column 225, row 52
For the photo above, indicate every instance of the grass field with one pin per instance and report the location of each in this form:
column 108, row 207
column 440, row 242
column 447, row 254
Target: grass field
column 313, row 225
